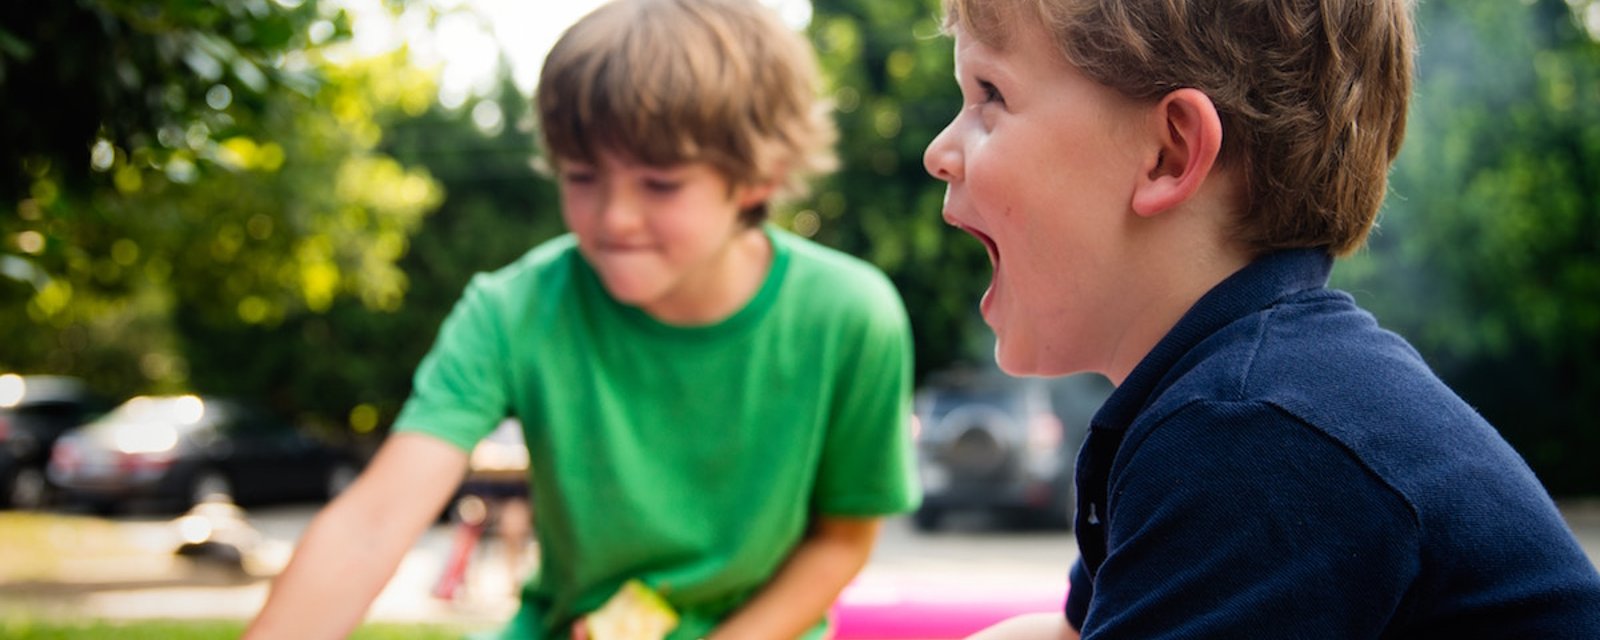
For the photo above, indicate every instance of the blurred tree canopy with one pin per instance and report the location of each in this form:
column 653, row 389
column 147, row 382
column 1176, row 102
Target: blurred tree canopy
column 1488, row 253
column 148, row 76
column 351, row 365
column 205, row 199
column 891, row 76
column 178, row 165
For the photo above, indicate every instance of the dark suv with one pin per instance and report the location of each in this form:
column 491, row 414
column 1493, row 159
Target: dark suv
column 34, row 412
column 991, row 442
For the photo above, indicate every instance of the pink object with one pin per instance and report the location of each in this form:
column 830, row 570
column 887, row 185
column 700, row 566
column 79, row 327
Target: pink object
column 883, row 609
column 455, row 566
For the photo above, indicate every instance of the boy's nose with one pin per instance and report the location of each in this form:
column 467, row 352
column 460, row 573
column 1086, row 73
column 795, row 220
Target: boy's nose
column 618, row 214
column 942, row 159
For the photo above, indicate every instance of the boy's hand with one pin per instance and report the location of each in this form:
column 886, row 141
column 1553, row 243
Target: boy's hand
column 634, row 612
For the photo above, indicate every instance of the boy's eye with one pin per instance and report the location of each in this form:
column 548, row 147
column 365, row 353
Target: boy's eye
column 577, row 177
column 991, row 93
column 656, row 185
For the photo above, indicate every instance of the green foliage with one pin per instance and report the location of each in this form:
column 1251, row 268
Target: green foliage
column 324, row 237
column 891, row 73
column 244, row 212
column 1488, row 254
column 99, row 95
column 202, row 200
column 140, row 75
column 350, row 366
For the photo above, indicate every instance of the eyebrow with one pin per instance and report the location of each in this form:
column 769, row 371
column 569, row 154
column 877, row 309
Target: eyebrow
column 991, row 75
column 986, row 64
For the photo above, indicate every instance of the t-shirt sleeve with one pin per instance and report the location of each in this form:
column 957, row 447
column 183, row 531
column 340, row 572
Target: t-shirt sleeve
column 458, row 392
column 867, row 466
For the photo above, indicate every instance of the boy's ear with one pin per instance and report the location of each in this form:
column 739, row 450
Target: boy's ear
column 752, row 195
column 1189, row 133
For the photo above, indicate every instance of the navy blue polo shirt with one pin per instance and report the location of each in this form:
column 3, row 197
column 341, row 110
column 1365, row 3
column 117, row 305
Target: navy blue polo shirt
column 1279, row 466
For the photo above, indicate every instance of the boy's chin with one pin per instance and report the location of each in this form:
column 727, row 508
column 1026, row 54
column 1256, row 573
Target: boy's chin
column 1021, row 365
column 631, row 294
column 1025, row 362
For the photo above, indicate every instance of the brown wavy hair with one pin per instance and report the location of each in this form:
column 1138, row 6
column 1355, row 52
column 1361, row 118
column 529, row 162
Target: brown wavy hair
column 667, row 82
column 1312, row 94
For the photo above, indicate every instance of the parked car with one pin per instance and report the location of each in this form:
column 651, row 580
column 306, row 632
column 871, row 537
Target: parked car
column 183, row 450
column 34, row 412
column 1003, row 445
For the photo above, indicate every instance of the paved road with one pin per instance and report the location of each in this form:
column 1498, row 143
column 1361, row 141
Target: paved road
column 145, row 581
column 969, row 557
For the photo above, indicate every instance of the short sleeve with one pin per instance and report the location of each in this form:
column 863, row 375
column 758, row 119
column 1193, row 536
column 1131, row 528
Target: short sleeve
column 459, row 391
column 1279, row 528
column 867, row 466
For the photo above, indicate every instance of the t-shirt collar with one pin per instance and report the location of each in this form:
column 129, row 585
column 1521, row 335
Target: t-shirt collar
column 742, row 320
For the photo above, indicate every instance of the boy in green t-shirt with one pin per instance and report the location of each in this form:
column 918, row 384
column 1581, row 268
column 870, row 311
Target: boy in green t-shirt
column 714, row 408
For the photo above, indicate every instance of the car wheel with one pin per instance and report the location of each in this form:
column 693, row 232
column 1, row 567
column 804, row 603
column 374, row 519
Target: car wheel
column 28, row 489
column 210, row 485
column 1057, row 514
column 340, row 478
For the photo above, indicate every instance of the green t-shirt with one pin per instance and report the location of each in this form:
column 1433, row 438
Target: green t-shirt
column 691, row 458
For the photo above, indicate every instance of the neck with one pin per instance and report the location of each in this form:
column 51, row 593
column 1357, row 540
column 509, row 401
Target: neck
column 722, row 288
column 1181, row 257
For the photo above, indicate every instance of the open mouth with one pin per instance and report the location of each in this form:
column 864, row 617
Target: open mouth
column 989, row 297
column 988, row 243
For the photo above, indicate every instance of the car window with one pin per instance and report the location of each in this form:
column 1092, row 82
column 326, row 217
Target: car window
column 181, row 416
column 242, row 422
column 45, row 415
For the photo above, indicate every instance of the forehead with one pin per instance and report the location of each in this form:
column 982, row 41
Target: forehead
column 992, row 21
column 1027, row 49
column 622, row 162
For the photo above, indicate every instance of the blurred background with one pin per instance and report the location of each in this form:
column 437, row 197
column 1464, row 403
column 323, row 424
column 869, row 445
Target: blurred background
column 275, row 202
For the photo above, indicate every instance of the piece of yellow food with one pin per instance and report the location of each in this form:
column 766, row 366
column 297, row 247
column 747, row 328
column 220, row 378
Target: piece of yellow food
column 635, row 613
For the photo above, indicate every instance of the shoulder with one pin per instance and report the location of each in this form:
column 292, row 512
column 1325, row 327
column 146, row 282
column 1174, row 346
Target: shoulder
column 1248, row 464
column 1326, row 361
column 1320, row 357
column 548, row 259
column 830, row 282
column 1334, row 435
column 543, row 273
column 1316, row 379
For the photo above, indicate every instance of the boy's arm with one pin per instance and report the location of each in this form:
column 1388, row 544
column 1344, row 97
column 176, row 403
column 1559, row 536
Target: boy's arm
column 353, row 546
column 805, row 587
column 1033, row 626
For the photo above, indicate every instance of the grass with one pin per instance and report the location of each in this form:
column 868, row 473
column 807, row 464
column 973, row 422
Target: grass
column 50, row 629
column 40, row 546
column 78, row 554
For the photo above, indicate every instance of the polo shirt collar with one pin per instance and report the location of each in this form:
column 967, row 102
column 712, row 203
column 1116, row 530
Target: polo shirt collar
column 1258, row 285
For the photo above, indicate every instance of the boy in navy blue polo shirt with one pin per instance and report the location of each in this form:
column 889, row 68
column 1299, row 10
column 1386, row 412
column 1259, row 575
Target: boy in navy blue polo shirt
column 1163, row 187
